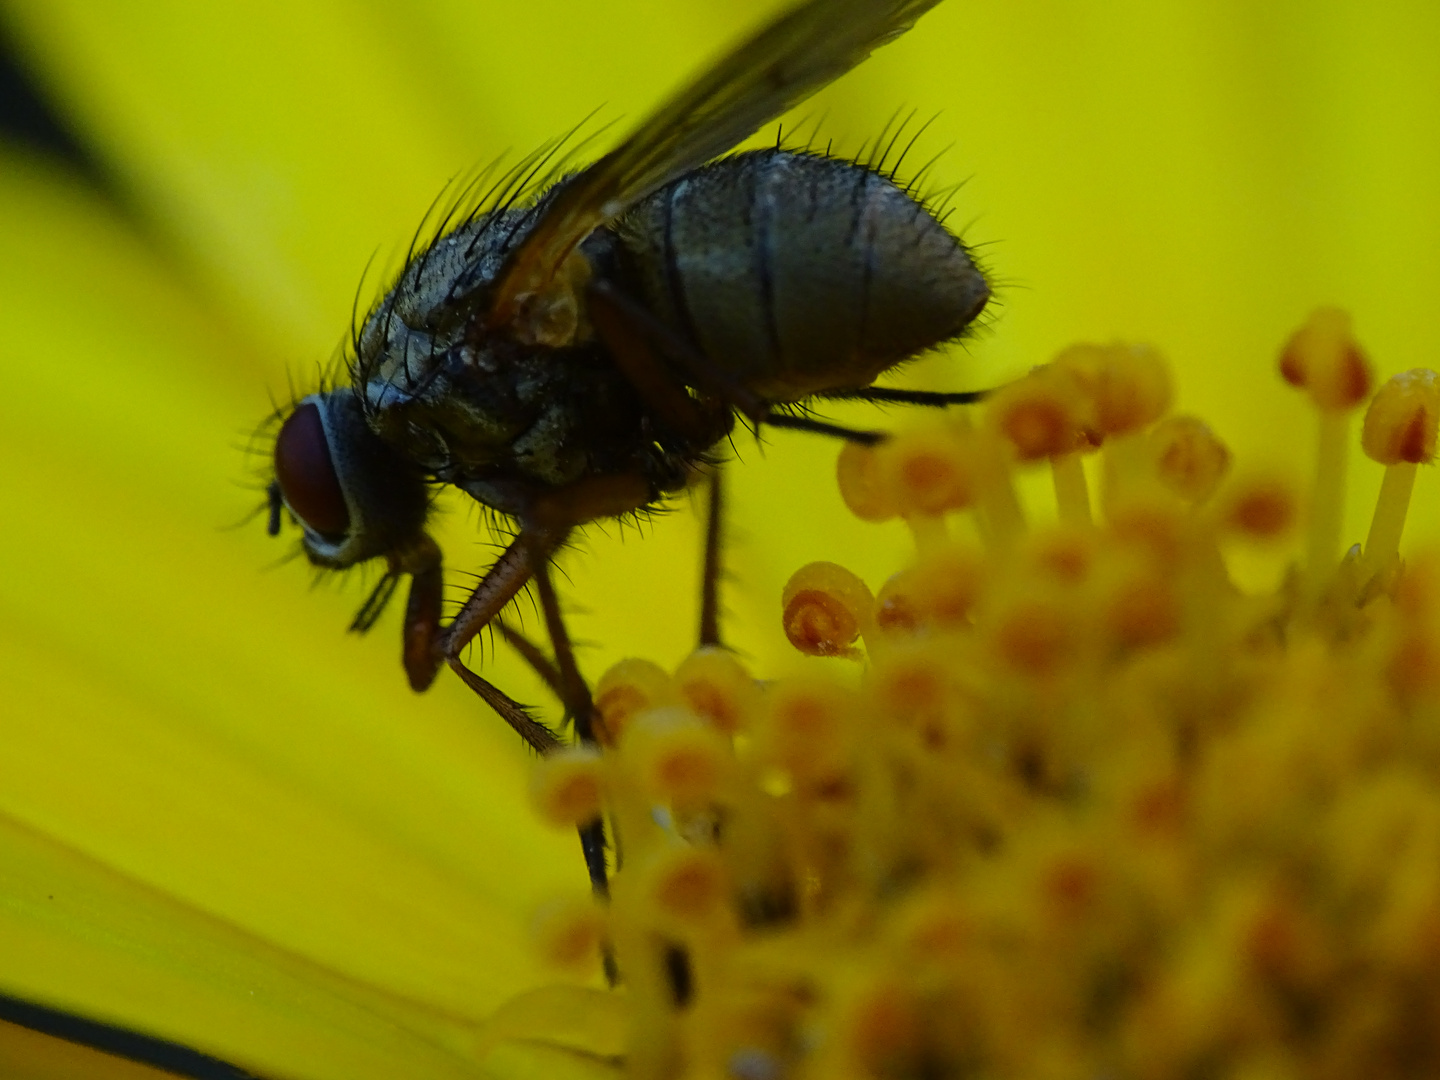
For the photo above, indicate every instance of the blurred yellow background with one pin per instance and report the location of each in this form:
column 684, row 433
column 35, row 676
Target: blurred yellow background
column 189, row 727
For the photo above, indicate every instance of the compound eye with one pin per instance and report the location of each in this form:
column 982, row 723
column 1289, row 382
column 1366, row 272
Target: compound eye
column 306, row 473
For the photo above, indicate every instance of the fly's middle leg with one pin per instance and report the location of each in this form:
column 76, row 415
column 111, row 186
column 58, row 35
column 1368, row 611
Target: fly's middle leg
column 496, row 589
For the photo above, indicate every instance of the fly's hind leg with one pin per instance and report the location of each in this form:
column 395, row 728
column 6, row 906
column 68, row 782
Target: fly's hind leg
column 563, row 677
column 580, row 707
column 889, row 395
column 711, row 568
column 633, row 333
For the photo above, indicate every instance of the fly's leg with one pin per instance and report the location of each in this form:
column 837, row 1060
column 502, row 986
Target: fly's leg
column 575, row 695
column 711, row 568
column 592, row 834
column 532, row 654
column 887, row 395
column 626, row 330
column 562, row 676
column 638, row 324
column 544, row 525
column 497, row 588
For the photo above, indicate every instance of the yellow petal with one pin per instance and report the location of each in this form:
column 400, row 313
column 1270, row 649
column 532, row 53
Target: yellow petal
column 81, row 938
column 191, row 721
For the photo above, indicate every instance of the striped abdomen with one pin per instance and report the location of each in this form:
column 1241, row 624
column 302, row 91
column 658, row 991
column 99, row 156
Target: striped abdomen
column 800, row 273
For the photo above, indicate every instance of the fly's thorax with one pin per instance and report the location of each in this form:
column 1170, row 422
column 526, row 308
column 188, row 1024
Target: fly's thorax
column 445, row 395
column 436, row 299
column 800, row 272
column 355, row 497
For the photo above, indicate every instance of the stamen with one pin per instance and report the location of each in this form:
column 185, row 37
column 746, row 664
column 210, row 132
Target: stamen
column 687, row 885
column 866, row 494
column 1189, row 459
column 568, row 934
column 1091, row 803
column 714, row 684
column 567, row 786
column 1323, row 358
column 1260, row 508
column 1042, row 416
column 1125, row 388
column 931, row 471
column 678, row 759
column 1399, row 433
column 826, row 609
column 947, row 583
column 626, row 690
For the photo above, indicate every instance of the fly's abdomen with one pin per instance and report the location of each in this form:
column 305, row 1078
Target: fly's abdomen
column 799, row 273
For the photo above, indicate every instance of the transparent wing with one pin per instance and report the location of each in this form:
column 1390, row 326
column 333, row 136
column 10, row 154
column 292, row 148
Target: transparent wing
column 760, row 80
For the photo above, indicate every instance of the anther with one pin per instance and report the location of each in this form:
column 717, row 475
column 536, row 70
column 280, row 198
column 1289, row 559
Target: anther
column 715, row 685
column 1399, row 432
column 629, row 688
column 568, row 934
column 1259, row 508
column 1039, row 416
column 826, row 609
column 1400, row 424
column 687, row 884
column 1323, row 358
column 947, row 582
column 861, row 486
column 807, row 726
column 1190, row 459
column 930, row 471
column 1128, row 386
column 1035, row 637
column 567, row 786
column 679, row 759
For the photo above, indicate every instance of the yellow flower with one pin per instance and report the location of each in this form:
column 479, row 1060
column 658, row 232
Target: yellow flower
column 229, row 824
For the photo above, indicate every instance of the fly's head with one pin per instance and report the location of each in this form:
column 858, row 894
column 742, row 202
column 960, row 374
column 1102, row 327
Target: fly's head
column 354, row 497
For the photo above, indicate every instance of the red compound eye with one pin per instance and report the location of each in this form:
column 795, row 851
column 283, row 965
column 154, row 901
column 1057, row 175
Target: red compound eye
column 307, row 474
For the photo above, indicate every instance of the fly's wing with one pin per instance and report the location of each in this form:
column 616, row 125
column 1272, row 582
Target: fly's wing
column 760, row 80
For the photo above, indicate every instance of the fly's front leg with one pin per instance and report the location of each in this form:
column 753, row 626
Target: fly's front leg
column 421, row 560
column 422, row 611
column 498, row 587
